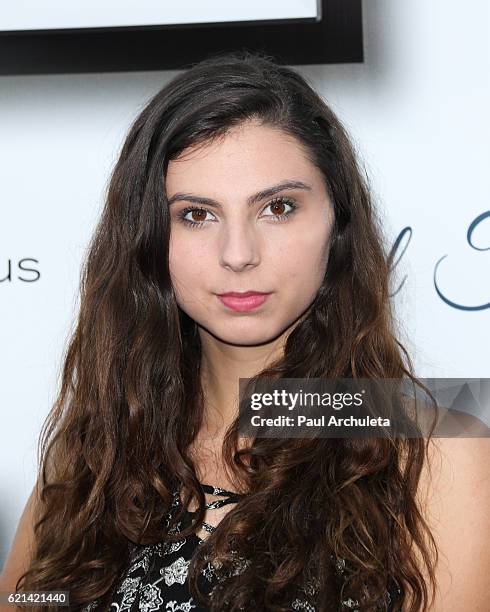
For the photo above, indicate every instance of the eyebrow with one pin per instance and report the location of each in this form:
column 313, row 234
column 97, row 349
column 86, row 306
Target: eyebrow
column 251, row 200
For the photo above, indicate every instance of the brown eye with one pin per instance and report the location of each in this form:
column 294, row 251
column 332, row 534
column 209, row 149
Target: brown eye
column 277, row 208
column 198, row 218
column 198, row 215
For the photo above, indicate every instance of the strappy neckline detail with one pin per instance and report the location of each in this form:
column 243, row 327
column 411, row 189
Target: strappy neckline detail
column 228, row 497
column 214, row 490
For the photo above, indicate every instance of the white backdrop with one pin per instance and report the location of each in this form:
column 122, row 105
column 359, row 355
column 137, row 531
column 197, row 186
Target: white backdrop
column 54, row 14
column 418, row 112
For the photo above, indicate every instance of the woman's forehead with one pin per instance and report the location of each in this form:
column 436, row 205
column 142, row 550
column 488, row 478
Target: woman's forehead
column 242, row 159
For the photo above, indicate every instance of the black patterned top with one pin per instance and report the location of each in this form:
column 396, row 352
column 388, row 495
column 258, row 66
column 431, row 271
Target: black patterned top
column 156, row 579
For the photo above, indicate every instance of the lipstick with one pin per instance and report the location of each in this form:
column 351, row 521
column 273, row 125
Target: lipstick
column 243, row 302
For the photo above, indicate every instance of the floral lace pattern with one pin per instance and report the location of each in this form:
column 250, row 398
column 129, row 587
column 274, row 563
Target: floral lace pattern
column 156, row 579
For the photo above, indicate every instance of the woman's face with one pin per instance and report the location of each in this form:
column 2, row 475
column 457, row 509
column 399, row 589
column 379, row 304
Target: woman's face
column 237, row 239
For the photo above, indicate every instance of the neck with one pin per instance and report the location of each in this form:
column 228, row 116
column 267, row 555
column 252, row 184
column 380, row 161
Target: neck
column 221, row 367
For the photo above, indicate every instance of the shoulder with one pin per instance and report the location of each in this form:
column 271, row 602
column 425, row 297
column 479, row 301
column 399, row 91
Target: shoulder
column 22, row 547
column 454, row 497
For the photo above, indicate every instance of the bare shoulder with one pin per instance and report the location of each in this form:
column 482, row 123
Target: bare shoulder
column 22, row 546
column 454, row 497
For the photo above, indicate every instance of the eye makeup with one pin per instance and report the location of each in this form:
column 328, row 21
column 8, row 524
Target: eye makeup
column 276, row 217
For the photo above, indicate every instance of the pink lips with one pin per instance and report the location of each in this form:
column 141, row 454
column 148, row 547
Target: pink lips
column 243, row 302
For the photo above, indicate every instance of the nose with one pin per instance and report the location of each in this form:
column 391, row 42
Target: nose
column 239, row 248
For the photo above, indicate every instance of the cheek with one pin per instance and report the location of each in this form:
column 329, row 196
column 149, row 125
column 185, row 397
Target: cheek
column 303, row 256
column 188, row 263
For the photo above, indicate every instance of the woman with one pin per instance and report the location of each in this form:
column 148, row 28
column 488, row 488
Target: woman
column 236, row 177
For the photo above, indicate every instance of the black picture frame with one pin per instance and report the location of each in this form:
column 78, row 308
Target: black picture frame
column 335, row 38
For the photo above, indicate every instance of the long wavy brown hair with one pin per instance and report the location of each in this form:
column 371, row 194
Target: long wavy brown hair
column 116, row 441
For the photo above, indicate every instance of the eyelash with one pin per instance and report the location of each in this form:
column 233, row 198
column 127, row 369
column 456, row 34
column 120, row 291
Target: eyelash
column 195, row 224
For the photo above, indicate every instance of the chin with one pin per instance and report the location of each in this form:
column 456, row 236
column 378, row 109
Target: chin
column 255, row 335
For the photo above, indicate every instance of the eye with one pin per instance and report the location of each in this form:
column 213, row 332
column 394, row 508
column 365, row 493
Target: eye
column 277, row 205
column 198, row 212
